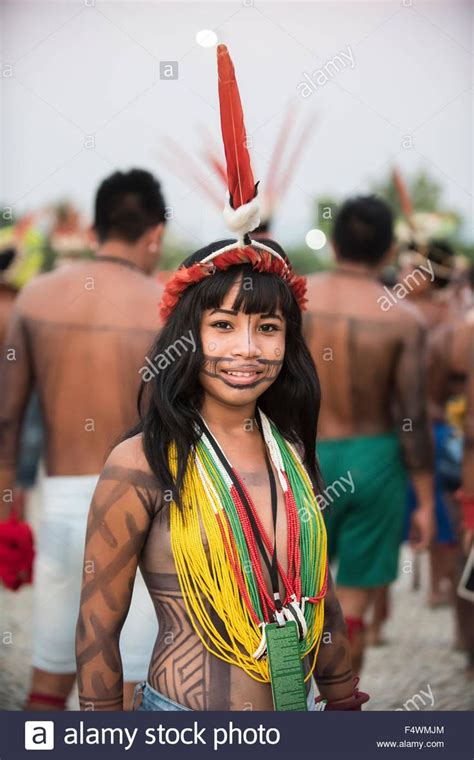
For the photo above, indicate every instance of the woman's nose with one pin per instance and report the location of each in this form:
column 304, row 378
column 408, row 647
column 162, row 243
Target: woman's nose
column 247, row 343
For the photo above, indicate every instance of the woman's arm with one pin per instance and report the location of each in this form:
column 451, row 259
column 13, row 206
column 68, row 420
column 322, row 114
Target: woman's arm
column 119, row 519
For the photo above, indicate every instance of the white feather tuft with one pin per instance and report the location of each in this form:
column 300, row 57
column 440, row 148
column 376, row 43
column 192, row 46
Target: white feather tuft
column 243, row 219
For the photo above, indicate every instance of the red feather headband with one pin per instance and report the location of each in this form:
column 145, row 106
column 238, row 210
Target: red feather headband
column 261, row 260
column 241, row 212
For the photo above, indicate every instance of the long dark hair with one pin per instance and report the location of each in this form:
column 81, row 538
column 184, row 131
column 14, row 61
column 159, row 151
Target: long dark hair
column 169, row 403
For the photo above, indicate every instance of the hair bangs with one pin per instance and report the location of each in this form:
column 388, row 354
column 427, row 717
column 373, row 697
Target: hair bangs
column 259, row 292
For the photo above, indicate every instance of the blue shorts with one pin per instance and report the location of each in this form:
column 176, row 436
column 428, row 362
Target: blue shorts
column 445, row 533
column 153, row 700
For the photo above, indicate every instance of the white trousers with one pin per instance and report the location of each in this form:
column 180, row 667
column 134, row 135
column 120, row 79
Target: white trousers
column 65, row 502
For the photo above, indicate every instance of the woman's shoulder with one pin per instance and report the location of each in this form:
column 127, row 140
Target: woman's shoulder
column 129, row 453
column 128, row 465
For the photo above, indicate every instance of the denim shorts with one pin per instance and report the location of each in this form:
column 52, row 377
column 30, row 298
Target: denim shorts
column 153, row 700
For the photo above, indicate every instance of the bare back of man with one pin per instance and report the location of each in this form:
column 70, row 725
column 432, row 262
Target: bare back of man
column 370, row 364
column 448, row 362
column 367, row 358
column 79, row 335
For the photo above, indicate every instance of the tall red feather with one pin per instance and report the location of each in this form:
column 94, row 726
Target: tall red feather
column 239, row 170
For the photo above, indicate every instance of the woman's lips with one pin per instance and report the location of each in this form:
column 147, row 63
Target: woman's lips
column 241, row 377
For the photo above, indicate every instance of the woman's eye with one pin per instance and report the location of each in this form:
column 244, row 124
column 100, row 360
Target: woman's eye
column 269, row 327
column 221, row 325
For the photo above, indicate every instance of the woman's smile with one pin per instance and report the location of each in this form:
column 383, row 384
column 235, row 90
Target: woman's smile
column 242, row 376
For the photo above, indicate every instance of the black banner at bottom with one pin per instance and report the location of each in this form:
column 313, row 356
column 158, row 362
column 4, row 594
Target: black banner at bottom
column 237, row 735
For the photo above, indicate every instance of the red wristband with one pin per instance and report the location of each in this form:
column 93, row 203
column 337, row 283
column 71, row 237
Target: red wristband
column 354, row 702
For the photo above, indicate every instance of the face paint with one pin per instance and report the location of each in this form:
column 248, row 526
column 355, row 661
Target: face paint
column 266, row 369
column 239, row 350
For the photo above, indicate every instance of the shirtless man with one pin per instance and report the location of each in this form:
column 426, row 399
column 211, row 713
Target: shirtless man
column 433, row 296
column 369, row 354
column 80, row 335
column 439, row 303
column 451, row 392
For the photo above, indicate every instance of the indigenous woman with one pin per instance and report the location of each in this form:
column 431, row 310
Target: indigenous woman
column 214, row 495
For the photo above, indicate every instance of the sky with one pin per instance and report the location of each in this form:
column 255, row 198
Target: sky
column 82, row 96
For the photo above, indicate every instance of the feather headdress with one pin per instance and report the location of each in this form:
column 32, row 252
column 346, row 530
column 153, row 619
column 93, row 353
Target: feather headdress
column 281, row 165
column 241, row 212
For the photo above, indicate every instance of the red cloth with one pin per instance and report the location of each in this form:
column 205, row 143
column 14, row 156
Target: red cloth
column 16, row 553
column 47, row 699
column 353, row 625
column 467, row 509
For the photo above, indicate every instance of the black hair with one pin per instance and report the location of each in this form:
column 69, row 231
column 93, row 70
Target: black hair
column 127, row 204
column 363, row 229
column 169, row 403
column 6, row 258
column 263, row 228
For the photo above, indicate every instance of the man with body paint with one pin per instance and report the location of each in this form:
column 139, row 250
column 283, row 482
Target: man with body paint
column 373, row 421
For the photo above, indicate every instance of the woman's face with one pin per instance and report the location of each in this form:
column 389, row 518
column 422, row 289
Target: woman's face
column 243, row 353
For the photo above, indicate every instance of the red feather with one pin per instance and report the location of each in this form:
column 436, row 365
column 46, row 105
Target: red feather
column 212, row 155
column 404, row 196
column 239, row 170
column 218, row 166
column 278, row 150
column 293, row 159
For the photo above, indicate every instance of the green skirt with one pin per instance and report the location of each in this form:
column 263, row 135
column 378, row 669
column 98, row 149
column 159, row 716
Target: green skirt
column 364, row 504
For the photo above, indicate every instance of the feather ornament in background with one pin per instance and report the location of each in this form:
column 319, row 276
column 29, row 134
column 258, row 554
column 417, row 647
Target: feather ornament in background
column 404, row 195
